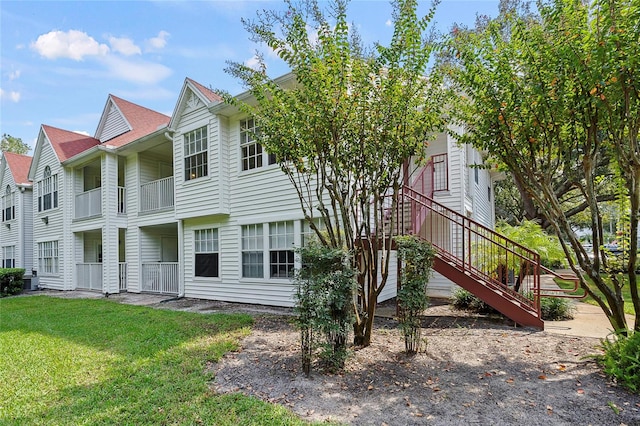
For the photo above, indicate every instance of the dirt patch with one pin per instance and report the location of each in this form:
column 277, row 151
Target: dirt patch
column 476, row 370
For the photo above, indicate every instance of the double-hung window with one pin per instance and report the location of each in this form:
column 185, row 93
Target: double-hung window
column 251, row 150
column 281, row 255
column 206, row 253
column 48, row 191
column 48, row 257
column 196, row 159
column 9, row 257
column 252, row 251
column 8, row 205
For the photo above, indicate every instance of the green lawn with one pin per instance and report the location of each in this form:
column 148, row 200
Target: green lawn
column 626, row 295
column 79, row 361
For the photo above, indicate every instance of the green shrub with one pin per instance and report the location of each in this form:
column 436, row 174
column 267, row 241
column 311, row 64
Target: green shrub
column 464, row 300
column 11, row 281
column 416, row 257
column 621, row 360
column 556, row 309
column 325, row 289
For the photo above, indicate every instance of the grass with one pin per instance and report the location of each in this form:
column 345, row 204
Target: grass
column 626, row 294
column 79, row 361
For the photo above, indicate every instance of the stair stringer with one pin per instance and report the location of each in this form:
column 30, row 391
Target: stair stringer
column 497, row 298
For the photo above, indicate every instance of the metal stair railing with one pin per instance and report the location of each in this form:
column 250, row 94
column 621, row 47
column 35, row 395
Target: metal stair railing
column 481, row 253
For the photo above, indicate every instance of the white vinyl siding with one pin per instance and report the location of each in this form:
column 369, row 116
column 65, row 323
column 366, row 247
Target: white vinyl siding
column 48, row 258
column 196, row 158
column 115, row 125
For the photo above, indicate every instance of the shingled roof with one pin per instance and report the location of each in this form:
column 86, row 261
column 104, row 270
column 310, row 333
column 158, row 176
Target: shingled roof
column 143, row 121
column 67, row 144
column 19, row 167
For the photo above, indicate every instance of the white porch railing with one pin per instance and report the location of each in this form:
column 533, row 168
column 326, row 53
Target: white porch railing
column 89, row 276
column 122, row 200
column 156, row 195
column 122, row 276
column 88, row 203
column 160, row 277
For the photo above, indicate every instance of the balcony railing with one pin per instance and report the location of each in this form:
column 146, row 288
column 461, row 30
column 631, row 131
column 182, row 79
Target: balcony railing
column 156, row 195
column 122, row 276
column 88, row 204
column 122, row 200
column 161, row 277
column 89, row 276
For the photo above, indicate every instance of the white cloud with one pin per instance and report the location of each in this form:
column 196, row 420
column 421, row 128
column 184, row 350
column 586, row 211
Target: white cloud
column 124, row 45
column 72, row 44
column 159, row 41
column 253, row 62
column 13, row 75
column 12, row 96
column 388, row 23
column 138, row 71
column 81, row 132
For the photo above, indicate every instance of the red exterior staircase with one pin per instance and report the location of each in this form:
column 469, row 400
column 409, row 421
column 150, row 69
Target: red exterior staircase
column 501, row 272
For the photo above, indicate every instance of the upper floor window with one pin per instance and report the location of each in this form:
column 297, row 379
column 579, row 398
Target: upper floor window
column 251, row 150
column 8, row 205
column 9, row 257
column 196, row 154
column 207, row 253
column 48, row 191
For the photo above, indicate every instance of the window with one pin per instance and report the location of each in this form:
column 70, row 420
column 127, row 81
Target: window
column 440, row 172
column 9, row 257
column 195, row 154
column 281, row 255
column 206, row 253
column 48, row 257
column 252, row 251
column 252, row 152
column 8, row 205
column 48, row 191
column 308, row 234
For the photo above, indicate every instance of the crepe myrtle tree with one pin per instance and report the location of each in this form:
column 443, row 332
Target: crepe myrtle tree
column 343, row 131
column 557, row 95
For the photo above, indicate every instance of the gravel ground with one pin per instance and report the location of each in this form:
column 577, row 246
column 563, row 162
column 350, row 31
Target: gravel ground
column 476, row 370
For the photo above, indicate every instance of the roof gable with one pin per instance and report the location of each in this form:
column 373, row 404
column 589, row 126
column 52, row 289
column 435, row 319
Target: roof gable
column 192, row 96
column 18, row 167
column 66, row 143
column 123, row 122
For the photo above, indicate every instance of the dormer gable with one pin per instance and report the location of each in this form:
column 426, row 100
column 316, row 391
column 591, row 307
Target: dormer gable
column 65, row 144
column 18, row 165
column 112, row 122
column 123, row 122
column 193, row 96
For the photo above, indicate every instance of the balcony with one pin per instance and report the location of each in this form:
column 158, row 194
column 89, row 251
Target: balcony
column 156, row 195
column 88, row 204
column 161, row 277
column 89, row 276
column 122, row 200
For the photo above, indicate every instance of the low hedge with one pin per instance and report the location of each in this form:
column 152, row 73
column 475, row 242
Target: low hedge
column 11, row 281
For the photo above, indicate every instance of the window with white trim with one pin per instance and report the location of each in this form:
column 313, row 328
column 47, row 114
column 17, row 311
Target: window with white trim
column 281, row 255
column 48, row 257
column 206, row 253
column 196, row 152
column 48, row 191
column 8, row 205
column 9, row 257
column 308, row 234
column 251, row 150
column 252, row 251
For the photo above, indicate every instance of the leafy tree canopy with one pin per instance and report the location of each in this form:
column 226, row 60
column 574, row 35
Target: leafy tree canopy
column 12, row 144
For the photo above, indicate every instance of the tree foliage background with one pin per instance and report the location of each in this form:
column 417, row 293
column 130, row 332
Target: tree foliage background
column 554, row 96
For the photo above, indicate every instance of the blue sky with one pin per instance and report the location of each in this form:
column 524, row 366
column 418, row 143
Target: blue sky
column 59, row 61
